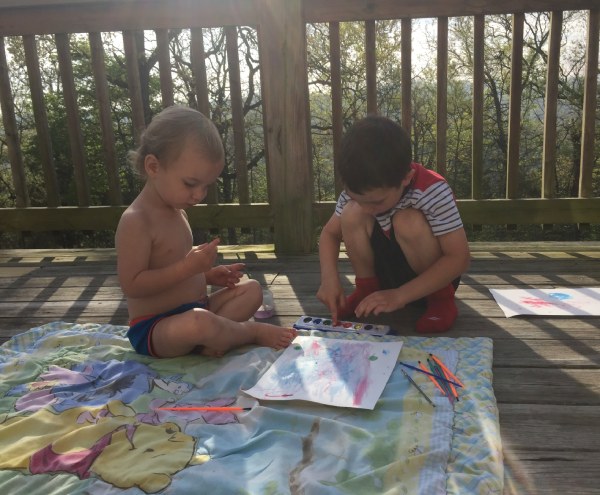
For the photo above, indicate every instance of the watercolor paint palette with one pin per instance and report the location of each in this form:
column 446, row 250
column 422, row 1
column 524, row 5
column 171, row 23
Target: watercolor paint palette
column 326, row 325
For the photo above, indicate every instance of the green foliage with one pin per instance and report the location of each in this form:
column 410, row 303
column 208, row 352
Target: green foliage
column 498, row 34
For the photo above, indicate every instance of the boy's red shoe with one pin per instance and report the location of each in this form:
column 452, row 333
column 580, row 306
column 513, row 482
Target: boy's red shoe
column 441, row 311
column 364, row 287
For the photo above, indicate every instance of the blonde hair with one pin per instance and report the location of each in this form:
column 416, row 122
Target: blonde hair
column 166, row 134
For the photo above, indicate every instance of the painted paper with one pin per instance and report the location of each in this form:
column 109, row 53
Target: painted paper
column 584, row 301
column 336, row 372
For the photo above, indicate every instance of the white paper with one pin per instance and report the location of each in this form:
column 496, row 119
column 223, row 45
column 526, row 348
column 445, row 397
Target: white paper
column 584, row 301
column 337, row 372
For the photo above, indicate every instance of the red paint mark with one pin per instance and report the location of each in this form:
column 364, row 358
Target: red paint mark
column 537, row 302
column 360, row 391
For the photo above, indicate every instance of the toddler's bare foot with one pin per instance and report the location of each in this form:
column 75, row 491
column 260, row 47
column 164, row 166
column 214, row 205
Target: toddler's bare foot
column 208, row 351
column 273, row 336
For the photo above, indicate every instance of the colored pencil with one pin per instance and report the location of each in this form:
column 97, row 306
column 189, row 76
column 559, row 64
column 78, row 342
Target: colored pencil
column 428, row 373
column 447, row 372
column 441, row 370
column 435, row 369
column 205, row 408
column 437, row 385
column 417, row 387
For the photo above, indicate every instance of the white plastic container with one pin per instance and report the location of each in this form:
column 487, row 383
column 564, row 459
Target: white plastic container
column 267, row 308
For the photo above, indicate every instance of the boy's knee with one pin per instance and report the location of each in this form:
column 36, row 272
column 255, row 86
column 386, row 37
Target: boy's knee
column 411, row 224
column 357, row 225
column 353, row 215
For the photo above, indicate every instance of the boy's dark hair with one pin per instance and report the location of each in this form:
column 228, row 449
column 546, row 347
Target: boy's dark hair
column 375, row 152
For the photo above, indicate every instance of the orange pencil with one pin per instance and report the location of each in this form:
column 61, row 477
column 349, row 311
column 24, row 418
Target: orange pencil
column 447, row 372
column 206, row 408
column 431, row 378
column 454, row 392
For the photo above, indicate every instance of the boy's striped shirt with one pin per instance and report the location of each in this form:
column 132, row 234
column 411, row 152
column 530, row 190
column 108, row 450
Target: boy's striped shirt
column 428, row 192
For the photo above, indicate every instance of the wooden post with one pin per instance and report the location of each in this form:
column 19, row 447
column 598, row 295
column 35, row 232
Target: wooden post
column 282, row 44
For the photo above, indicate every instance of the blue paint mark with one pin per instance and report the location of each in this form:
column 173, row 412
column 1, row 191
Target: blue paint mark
column 560, row 295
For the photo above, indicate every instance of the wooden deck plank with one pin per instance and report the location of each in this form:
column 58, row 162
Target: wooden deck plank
column 546, row 369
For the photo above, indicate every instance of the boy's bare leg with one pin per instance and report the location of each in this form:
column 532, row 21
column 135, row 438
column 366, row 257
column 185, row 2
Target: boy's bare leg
column 422, row 250
column 181, row 334
column 357, row 227
column 414, row 235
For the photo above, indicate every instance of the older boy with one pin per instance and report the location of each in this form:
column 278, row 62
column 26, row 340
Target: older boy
column 401, row 228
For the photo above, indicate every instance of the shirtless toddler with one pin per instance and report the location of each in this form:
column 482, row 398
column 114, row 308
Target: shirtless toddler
column 162, row 274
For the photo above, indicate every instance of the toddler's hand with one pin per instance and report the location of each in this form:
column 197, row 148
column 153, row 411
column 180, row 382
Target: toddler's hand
column 226, row 275
column 201, row 258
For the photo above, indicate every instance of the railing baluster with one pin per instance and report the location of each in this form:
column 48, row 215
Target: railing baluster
column 336, row 98
column 550, row 107
column 133, row 83
column 477, row 106
column 237, row 114
column 406, row 68
column 108, row 135
column 11, row 132
column 41, row 120
column 74, row 125
column 164, row 67
column 589, row 106
column 514, row 110
column 371, row 66
column 197, row 55
column 442, row 95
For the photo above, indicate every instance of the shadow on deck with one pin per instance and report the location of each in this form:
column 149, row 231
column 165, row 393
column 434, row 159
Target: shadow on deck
column 546, row 369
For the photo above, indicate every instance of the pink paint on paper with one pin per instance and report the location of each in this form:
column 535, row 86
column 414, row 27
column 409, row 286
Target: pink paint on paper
column 330, row 371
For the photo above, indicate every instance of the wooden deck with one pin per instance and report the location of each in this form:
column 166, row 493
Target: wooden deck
column 546, row 370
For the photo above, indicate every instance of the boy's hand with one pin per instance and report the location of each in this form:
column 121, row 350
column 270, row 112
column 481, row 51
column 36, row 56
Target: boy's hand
column 226, row 275
column 382, row 301
column 332, row 295
column 201, row 258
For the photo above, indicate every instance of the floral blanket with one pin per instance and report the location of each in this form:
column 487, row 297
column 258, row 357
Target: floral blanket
column 80, row 413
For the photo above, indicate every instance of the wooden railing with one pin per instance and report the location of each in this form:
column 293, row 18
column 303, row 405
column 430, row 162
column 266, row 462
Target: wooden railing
column 281, row 31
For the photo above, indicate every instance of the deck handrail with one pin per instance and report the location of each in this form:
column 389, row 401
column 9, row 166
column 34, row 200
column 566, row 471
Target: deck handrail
column 281, row 31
